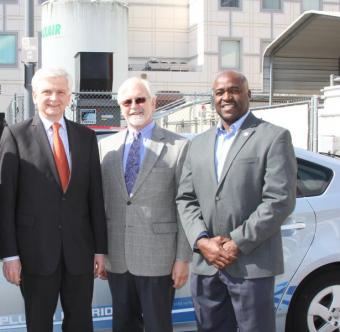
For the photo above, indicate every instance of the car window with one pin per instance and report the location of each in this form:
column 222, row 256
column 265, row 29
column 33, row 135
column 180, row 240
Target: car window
column 312, row 179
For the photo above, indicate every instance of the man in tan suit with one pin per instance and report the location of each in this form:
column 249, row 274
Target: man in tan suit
column 148, row 251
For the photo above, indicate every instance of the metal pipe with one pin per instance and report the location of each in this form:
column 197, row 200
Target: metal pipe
column 270, row 80
column 29, row 67
column 315, row 113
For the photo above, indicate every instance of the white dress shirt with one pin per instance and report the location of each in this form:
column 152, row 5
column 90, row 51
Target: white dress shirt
column 62, row 133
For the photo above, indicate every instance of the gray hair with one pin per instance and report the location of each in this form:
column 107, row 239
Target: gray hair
column 51, row 72
column 131, row 82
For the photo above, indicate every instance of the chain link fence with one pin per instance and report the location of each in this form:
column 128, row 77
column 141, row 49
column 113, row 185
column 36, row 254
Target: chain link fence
column 100, row 109
column 176, row 111
column 96, row 109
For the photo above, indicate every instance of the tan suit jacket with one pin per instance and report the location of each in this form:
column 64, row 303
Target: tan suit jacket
column 144, row 235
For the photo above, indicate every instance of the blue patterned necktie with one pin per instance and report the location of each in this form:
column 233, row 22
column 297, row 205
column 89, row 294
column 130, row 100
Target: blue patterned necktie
column 133, row 162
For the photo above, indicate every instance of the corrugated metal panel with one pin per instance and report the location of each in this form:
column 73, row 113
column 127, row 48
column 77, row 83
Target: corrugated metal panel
column 266, row 74
column 302, row 75
column 304, row 55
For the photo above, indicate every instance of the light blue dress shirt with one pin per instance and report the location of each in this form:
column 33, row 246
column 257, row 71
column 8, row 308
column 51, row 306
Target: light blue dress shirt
column 146, row 134
column 223, row 142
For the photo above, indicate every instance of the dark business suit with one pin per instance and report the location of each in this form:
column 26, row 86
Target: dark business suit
column 51, row 230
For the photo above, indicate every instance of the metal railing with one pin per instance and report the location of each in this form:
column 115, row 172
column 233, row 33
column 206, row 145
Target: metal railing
column 162, row 65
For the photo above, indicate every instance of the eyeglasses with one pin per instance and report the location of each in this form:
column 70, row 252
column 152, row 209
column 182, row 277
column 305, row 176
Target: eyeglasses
column 128, row 102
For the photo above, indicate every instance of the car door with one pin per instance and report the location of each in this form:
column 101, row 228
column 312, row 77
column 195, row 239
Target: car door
column 297, row 233
column 297, row 236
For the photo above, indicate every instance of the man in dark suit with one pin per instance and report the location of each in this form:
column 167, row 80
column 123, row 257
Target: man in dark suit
column 237, row 187
column 52, row 227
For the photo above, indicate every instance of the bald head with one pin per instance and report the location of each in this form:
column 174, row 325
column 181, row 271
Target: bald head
column 231, row 96
column 234, row 74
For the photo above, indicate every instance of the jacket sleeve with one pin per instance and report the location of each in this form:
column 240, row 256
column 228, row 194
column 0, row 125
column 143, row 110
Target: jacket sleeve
column 184, row 251
column 96, row 202
column 9, row 172
column 188, row 205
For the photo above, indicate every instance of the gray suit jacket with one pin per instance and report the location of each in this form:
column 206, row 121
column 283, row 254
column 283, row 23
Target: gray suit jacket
column 144, row 235
column 254, row 196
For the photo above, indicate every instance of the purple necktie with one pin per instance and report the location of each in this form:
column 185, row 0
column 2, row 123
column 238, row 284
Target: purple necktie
column 133, row 162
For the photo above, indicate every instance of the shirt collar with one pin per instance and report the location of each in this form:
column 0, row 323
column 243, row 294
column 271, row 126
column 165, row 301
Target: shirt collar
column 48, row 124
column 234, row 127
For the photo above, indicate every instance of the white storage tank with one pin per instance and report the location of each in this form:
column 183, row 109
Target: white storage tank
column 70, row 27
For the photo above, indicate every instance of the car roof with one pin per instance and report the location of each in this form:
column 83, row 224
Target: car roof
column 325, row 160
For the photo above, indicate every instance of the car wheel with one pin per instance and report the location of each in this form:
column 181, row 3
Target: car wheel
column 316, row 307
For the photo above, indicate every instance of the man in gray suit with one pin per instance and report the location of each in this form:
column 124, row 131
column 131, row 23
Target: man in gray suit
column 237, row 187
column 148, row 250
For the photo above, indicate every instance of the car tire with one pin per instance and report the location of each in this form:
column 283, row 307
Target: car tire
column 316, row 305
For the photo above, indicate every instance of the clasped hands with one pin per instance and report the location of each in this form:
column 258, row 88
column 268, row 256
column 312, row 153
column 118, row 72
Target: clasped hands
column 219, row 251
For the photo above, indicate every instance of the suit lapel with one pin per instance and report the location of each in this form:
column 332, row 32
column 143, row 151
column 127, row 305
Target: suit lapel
column 44, row 144
column 75, row 152
column 246, row 131
column 152, row 152
column 117, row 160
column 211, row 141
column 113, row 151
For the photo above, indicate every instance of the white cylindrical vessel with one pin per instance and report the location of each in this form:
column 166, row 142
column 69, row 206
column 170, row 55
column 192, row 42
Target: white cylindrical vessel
column 72, row 26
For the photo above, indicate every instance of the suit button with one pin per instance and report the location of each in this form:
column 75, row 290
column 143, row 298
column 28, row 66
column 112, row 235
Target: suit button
column 60, row 227
column 63, row 198
column 128, row 203
column 217, row 198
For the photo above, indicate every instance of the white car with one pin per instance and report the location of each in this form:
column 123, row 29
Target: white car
column 307, row 295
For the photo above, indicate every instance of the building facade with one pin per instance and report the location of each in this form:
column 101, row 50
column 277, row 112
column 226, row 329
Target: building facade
column 178, row 45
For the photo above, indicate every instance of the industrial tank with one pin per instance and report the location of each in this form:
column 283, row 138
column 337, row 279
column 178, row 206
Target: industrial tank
column 72, row 27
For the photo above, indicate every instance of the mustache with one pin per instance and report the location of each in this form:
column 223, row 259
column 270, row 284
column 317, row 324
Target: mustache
column 223, row 103
column 135, row 110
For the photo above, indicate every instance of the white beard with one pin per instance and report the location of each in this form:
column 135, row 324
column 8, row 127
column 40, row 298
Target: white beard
column 137, row 120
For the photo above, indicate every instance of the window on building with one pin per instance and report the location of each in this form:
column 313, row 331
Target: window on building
column 230, row 54
column 8, row 49
column 310, row 5
column 271, row 4
column 230, row 3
